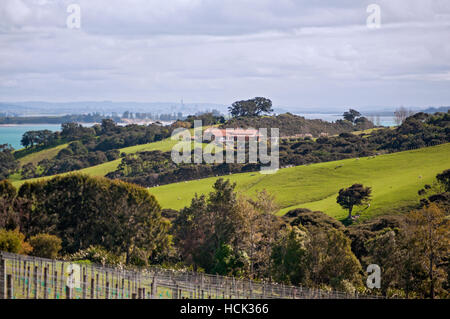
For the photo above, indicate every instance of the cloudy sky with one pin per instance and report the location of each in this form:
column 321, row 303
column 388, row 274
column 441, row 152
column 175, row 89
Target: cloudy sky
column 315, row 54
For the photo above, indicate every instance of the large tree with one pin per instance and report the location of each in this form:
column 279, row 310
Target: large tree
column 209, row 223
column 42, row 137
column 8, row 163
column 8, row 218
column 331, row 260
column 252, row 107
column 259, row 229
column 351, row 115
column 428, row 231
column 355, row 195
column 290, row 257
column 85, row 211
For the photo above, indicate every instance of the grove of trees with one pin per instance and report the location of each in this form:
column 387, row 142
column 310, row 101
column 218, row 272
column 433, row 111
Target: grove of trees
column 77, row 217
column 84, row 211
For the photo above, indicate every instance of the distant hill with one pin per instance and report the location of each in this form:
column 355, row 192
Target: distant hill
column 107, row 107
column 437, row 109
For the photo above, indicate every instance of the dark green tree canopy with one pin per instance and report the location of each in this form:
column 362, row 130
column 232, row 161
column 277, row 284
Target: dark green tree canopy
column 252, row 107
column 444, row 179
column 351, row 115
column 355, row 195
column 85, row 211
column 8, row 163
column 209, row 223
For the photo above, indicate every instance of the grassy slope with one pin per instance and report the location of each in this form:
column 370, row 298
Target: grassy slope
column 35, row 158
column 102, row 169
column 395, row 179
column 165, row 145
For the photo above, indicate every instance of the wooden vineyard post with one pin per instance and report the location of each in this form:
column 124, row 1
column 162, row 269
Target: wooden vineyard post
column 24, row 277
column 55, row 284
column 62, row 281
column 107, row 289
column 35, row 282
column 202, row 293
column 28, row 283
column 92, row 287
column 97, row 283
column 122, row 296
column 84, row 283
column 2, row 277
column 45, row 282
column 9, row 287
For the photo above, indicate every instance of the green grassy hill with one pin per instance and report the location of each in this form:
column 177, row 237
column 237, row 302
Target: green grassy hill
column 165, row 145
column 394, row 178
column 98, row 170
column 36, row 157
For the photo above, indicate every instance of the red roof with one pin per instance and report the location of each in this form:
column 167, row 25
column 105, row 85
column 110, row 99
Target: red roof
column 233, row 132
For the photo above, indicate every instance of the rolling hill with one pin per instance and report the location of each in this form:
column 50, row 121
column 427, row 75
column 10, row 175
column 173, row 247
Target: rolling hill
column 395, row 179
column 98, row 170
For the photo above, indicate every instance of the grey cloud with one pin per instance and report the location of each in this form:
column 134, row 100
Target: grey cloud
column 297, row 53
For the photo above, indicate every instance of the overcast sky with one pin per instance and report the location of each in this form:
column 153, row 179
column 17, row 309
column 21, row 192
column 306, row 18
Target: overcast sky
column 315, row 54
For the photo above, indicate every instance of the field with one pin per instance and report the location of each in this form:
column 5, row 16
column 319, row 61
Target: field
column 98, row 170
column 35, row 158
column 394, row 178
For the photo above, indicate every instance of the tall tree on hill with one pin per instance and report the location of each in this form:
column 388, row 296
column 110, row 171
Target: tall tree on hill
column 252, row 107
column 351, row 115
column 108, row 126
column 331, row 260
column 290, row 257
column 355, row 195
column 429, row 231
column 8, row 163
column 207, row 225
column 8, row 218
column 259, row 228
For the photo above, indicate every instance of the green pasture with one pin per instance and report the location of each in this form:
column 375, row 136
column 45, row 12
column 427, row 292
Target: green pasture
column 394, row 178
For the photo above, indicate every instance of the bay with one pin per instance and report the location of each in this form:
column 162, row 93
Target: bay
column 12, row 134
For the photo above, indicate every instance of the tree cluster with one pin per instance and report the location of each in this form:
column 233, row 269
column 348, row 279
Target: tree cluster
column 156, row 168
column 291, row 125
column 251, row 108
column 8, row 163
column 84, row 211
column 90, row 146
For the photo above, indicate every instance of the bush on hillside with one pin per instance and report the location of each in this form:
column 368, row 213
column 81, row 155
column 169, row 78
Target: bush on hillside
column 45, row 246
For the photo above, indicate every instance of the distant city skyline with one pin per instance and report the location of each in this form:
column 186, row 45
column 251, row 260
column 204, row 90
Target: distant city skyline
column 317, row 55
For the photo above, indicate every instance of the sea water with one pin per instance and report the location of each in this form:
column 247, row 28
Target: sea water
column 12, row 134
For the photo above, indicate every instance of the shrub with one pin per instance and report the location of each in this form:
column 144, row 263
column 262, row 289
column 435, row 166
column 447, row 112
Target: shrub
column 45, row 245
column 96, row 255
column 13, row 241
